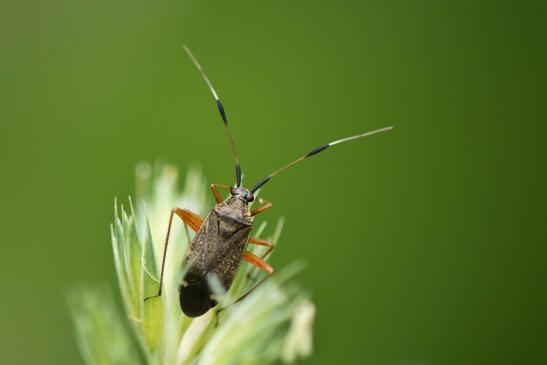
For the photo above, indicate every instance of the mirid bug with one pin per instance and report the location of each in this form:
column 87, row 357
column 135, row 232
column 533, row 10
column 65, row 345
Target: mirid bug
column 222, row 236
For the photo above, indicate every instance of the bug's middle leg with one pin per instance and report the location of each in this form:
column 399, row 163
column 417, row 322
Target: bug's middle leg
column 264, row 243
column 214, row 189
column 191, row 220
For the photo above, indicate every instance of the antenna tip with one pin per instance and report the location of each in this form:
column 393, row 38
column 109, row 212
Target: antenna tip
column 385, row 129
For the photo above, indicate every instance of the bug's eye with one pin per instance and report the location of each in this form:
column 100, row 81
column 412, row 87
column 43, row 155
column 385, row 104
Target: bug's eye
column 233, row 191
column 250, row 198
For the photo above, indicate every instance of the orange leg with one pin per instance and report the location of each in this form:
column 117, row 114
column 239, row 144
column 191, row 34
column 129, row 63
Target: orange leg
column 214, row 189
column 267, row 205
column 259, row 242
column 262, row 265
column 191, row 220
column 256, row 262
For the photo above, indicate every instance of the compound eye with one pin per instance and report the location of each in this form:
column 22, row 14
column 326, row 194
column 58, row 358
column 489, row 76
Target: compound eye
column 233, row 191
column 250, row 197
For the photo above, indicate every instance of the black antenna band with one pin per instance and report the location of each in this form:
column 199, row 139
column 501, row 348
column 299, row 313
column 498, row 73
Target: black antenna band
column 238, row 174
column 260, row 183
column 317, row 150
column 221, row 111
column 314, row 152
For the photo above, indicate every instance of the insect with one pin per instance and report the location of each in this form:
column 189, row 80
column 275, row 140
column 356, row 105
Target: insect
column 221, row 238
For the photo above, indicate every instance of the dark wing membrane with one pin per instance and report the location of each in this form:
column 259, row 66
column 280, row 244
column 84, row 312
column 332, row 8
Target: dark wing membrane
column 195, row 299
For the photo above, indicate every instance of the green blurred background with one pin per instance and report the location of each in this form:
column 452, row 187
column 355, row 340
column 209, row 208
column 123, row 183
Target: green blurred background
column 423, row 246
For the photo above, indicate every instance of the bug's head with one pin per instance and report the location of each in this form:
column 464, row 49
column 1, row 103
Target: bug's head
column 242, row 193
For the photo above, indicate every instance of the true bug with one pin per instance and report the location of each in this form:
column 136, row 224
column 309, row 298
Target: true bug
column 222, row 236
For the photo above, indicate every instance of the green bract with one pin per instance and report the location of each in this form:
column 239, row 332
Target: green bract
column 271, row 324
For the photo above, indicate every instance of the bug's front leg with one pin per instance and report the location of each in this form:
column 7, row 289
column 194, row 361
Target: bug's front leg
column 266, row 205
column 191, row 220
column 214, row 189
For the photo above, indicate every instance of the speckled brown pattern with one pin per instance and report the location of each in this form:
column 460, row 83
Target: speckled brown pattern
column 219, row 244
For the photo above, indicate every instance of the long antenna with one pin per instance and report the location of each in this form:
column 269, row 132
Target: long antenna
column 222, row 113
column 314, row 152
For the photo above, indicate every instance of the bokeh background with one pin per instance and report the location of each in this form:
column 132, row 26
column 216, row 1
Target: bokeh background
column 423, row 246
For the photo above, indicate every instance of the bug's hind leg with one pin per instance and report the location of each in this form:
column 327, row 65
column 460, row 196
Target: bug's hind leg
column 262, row 265
column 214, row 189
column 257, row 262
column 191, row 220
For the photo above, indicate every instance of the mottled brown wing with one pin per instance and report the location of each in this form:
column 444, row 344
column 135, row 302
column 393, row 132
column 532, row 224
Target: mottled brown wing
column 217, row 248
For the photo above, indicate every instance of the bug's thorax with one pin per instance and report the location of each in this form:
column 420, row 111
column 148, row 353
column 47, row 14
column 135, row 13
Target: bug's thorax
column 236, row 208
